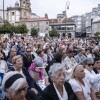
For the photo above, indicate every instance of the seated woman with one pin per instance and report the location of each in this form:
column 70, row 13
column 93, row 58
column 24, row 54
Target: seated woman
column 80, row 86
column 58, row 89
column 38, row 73
column 16, row 87
column 17, row 62
column 11, row 54
column 3, row 64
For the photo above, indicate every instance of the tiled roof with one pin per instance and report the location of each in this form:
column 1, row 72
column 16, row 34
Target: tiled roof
column 34, row 19
column 68, row 20
column 53, row 21
column 96, row 22
column 63, row 21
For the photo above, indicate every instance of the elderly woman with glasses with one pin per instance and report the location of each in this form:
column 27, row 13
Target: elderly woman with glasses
column 81, row 86
column 58, row 89
column 16, row 87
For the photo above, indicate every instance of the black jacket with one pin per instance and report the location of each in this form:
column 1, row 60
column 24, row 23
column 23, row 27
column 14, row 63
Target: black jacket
column 50, row 93
column 30, row 81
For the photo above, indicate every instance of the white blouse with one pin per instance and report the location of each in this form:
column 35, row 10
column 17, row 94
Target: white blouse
column 64, row 96
column 3, row 66
column 77, row 86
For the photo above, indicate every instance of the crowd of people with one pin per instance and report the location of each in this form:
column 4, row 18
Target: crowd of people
column 37, row 68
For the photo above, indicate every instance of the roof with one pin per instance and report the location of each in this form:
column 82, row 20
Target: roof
column 96, row 22
column 68, row 20
column 34, row 19
column 13, row 8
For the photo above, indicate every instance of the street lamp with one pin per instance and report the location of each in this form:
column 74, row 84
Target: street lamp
column 3, row 13
column 66, row 7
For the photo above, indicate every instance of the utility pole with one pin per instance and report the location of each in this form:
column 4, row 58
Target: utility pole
column 66, row 7
column 3, row 13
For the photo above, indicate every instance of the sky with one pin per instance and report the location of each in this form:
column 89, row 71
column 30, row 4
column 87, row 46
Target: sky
column 54, row 7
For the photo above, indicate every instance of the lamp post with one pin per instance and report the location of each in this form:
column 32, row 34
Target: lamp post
column 66, row 7
column 3, row 13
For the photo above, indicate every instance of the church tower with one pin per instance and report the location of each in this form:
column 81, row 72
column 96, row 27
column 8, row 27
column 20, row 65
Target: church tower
column 25, row 9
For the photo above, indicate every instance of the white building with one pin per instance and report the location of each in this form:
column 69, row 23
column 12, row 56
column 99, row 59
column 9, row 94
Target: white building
column 78, row 20
column 41, row 24
column 88, row 23
column 13, row 13
column 65, row 27
column 96, row 25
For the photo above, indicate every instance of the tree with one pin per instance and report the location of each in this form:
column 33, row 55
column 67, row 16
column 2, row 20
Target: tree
column 53, row 33
column 34, row 32
column 23, row 28
column 20, row 29
column 7, row 27
column 17, row 29
column 97, row 34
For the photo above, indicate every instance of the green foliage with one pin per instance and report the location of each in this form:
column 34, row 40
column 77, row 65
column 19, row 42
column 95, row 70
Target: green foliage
column 20, row 29
column 17, row 29
column 6, row 28
column 97, row 34
column 23, row 28
column 34, row 32
column 53, row 33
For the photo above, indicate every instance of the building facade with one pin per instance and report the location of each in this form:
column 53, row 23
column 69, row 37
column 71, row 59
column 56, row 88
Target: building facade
column 41, row 24
column 96, row 25
column 78, row 23
column 64, row 26
column 13, row 13
column 92, row 21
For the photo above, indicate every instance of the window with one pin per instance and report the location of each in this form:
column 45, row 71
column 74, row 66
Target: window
column 47, row 23
column 69, row 28
column 13, row 13
column 24, row 13
column 23, row 2
column 46, row 28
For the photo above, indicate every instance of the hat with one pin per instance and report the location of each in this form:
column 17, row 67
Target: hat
column 38, row 62
column 13, row 81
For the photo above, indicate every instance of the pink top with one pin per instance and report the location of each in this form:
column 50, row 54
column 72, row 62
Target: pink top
column 32, row 68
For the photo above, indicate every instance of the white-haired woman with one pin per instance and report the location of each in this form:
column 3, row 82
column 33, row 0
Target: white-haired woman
column 80, row 86
column 58, row 89
column 16, row 87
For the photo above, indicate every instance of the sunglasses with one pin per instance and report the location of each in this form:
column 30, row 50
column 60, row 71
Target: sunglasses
column 90, row 64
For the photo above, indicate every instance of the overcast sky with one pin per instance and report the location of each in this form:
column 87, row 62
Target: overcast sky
column 54, row 7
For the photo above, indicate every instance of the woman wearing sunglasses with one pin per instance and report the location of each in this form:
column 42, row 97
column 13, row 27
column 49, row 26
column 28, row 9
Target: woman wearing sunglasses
column 92, row 76
column 16, row 87
column 92, row 72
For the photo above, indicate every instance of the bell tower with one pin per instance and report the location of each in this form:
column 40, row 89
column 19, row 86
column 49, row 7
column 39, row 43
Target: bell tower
column 25, row 9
